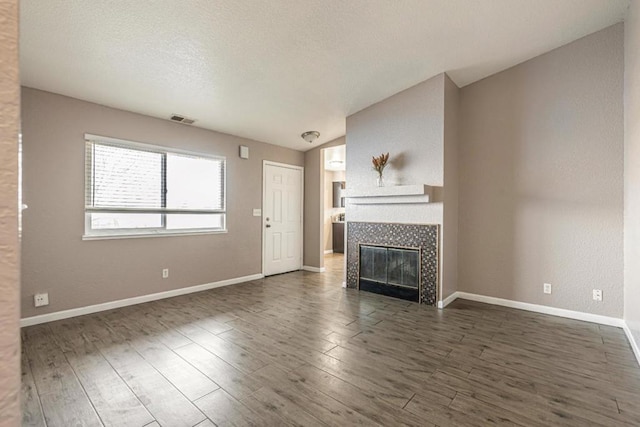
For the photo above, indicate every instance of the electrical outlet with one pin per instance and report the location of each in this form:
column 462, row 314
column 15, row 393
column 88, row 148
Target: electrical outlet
column 597, row 294
column 165, row 273
column 40, row 300
column 547, row 288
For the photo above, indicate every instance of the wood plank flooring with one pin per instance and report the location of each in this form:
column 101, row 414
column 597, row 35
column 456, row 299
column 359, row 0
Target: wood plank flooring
column 298, row 349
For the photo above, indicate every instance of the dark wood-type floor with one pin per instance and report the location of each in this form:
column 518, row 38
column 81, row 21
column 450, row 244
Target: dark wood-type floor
column 298, row 349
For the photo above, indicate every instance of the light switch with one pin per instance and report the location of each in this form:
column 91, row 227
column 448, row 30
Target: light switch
column 257, row 212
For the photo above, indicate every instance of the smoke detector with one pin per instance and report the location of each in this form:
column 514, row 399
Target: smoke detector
column 181, row 119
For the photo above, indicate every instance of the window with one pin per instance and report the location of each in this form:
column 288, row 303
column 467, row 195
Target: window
column 139, row 189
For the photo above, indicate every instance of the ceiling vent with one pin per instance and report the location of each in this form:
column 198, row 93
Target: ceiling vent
column 181, row 119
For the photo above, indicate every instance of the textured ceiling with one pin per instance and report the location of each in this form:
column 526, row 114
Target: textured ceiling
column 270, row 70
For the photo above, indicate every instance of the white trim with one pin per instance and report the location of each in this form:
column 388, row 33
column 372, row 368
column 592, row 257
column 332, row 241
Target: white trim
column 448, row 300
column 264, row 195
column 65, row 314
column 282, row 165
column 328, row 251
column 560, row 312
column 632, row 341
column 127, row 143
column 141, row 236
column 313, row 269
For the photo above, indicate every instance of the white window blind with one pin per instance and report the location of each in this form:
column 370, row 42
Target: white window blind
column 139, row 189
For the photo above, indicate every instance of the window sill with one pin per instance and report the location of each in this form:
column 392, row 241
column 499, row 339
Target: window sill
column 141, row 236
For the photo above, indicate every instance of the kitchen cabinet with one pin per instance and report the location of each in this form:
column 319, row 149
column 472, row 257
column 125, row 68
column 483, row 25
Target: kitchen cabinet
column 338, row 237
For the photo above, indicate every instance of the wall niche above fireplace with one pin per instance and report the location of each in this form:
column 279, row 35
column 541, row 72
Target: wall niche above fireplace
column 393, row 255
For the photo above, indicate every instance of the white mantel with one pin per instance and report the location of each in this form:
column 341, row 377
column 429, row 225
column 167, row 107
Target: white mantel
column 393, row 194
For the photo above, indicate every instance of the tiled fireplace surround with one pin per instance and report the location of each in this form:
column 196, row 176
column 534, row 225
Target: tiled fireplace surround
column 422, row 236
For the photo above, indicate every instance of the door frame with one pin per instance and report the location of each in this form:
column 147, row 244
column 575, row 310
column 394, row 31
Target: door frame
column 264, row 195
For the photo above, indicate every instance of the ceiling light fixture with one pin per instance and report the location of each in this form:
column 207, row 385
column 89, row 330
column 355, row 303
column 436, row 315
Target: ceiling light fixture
column 310, row 136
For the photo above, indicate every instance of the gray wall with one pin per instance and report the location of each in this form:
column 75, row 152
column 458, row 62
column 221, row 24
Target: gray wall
column 78, row 273
column 631, row 170
column 313, row 204
column 10, row 413
column 449, row 240
column 541, row 178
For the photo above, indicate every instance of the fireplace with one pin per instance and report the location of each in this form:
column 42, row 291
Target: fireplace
column 400, row 260
column 390, row 271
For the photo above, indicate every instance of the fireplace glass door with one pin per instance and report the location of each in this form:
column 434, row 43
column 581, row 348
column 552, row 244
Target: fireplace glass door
column 390, row 271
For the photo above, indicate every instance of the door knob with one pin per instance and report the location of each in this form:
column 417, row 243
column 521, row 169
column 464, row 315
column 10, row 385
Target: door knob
column 268, row 225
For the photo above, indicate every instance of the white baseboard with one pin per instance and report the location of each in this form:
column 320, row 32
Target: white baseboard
column 561, row 312
column 328, row 251
column 65, row 314
column 448, row 300
column 632, row 341
column 313, row 269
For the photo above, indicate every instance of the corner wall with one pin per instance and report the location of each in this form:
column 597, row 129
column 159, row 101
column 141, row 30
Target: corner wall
column 632, row 172
column 10, row 413
column 79, row 273
column 541, row 161
column 451, row 190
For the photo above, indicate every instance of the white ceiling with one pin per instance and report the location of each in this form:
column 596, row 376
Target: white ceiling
column 270, row 70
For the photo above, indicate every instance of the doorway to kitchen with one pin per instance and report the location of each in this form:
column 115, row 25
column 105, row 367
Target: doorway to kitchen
column 333, row 236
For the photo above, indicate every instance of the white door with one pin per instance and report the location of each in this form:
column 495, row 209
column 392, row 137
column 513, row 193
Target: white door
column 282, row 218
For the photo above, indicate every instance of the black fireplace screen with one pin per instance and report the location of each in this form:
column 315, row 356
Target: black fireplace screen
column 390, row 266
